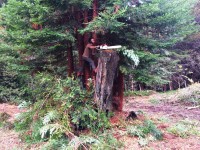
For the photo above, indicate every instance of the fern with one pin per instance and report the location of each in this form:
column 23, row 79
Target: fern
column 143, row 130
column 52, row 129
column 24, row 104
column 50, row 116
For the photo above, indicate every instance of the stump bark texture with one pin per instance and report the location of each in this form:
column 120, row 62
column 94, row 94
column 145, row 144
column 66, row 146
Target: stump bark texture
column 107, row 66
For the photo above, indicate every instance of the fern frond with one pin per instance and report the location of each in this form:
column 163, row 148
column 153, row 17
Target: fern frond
column 50, row 116
column 52, row 129
column 24, row 104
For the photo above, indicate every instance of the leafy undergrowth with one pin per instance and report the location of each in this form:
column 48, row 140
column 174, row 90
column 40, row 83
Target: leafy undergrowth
column 142, row 129
column 61, row 116
column 138, row 93
column 67, row 118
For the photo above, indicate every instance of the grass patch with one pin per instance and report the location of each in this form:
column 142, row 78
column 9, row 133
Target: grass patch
column 163, row 119
column 1, row 124
column 188, row 96
column 185, row 128
column 154, row 101
column 138, row 93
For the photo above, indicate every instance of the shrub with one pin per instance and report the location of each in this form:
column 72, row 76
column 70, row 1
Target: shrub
column 142, row 131
column 61, row 109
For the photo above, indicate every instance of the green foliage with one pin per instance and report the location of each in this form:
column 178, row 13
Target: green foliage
column 103, row 141
column 146, row 132
column 154, row 101
column 55, row 144
column 184, row 128
column 142, row 131
column 12, row 82
column 61, row 109
column 150, row 30
column 39, row 48
column 106, row 21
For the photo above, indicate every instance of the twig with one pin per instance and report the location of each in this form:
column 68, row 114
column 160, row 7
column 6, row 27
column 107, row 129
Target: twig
column 189, row 108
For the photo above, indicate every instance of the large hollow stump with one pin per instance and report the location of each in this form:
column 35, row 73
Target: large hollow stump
column 107, row 67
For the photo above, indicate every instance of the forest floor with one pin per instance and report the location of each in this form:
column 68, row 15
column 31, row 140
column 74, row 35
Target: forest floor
column 164, row 114
column 167, row 115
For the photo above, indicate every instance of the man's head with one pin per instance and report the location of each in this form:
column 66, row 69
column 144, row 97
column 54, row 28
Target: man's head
column 92, row 41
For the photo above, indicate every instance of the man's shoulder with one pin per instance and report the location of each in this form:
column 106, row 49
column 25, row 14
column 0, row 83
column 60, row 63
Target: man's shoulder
column 89, row 44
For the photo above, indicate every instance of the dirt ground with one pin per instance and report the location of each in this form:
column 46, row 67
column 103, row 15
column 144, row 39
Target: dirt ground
column 8, row 138
column 173, row 111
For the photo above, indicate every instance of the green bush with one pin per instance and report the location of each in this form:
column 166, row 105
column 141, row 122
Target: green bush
column 62, row 108
column 142, row 131
column 102, row 142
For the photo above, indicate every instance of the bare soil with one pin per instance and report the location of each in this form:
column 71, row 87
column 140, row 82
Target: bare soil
column 174, row 111
column 8, row 138
column 170, row 109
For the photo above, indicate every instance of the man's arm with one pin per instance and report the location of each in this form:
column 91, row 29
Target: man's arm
column 93, row 48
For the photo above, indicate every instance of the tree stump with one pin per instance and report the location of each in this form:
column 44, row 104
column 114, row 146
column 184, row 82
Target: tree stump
column 107, row 67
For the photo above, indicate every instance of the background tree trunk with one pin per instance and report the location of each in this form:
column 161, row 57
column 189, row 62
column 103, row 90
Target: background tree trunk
column 107, row 66
column 80, row 43
column 87, row 71
column 70, row 57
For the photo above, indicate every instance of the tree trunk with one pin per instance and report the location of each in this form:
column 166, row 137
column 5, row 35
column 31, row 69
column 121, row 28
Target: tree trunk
column 171, row 86
column 118, row 92
column 95, row 14
column 86, row 38
column 107, row 66
column 141, row 86
column 70, row 66
column 79, row 41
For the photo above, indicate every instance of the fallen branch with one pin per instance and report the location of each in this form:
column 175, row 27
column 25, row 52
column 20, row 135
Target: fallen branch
column 189, row 108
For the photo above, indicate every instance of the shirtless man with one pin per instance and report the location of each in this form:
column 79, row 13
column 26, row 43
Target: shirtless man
column 86, row 56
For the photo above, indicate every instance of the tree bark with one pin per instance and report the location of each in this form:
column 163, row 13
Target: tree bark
column 95, row 14
column 171, row 86
column 80, row 43
column 87, row 72
column 107, row 66
column 70, row 66
column 118, row 92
